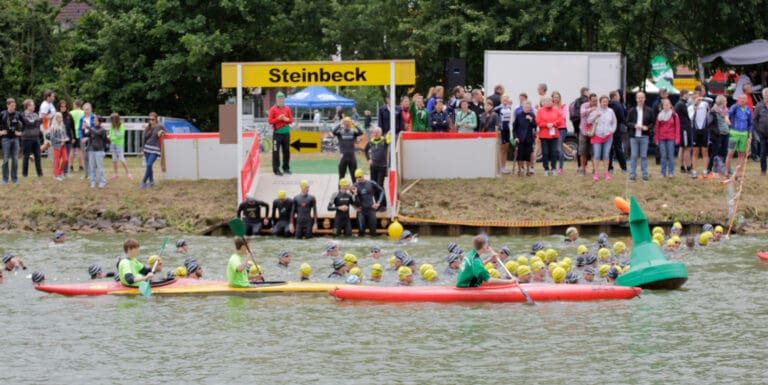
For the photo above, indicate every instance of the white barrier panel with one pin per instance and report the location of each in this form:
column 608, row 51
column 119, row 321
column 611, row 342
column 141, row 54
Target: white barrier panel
column 201, row 156
column 427, row 155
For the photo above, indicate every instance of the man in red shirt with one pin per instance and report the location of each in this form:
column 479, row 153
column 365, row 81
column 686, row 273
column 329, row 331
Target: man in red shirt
column 280, row 118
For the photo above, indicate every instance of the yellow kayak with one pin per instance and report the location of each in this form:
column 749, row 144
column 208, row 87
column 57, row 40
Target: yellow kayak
column 187, row 286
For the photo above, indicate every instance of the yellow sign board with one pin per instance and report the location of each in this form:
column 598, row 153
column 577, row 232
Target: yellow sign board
column 300, row 74
column 305, row 141
column 688, row 84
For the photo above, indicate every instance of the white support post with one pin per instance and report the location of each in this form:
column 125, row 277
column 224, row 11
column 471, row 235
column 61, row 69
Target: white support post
column 239, row 133
column 393, row 142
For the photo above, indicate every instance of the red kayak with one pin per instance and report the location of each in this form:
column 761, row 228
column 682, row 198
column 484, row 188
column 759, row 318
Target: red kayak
column 763, row 255
column 487, row 293
column 106, row 286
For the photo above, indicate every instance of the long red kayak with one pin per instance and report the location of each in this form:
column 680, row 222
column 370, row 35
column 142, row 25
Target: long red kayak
column 487, row 293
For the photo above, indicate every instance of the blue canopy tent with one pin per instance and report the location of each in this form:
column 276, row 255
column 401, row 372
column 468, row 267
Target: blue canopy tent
column 317, row 97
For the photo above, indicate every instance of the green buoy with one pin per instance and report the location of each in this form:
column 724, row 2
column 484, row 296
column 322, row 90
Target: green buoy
column 650, row 268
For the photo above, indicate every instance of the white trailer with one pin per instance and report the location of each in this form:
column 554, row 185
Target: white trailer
column 566, row 72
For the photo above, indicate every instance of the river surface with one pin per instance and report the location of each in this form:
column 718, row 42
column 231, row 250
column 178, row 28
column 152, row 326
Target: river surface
column 712, row 332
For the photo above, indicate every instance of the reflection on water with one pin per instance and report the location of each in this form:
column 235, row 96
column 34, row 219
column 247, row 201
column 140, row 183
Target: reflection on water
column 712, row 332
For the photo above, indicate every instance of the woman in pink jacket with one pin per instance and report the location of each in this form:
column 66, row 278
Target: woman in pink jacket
column 562, row 128
column 603, row 122
column 548, row 119
column 667, row 135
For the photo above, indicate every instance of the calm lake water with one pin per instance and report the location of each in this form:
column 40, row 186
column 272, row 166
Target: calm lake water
column 711, row 332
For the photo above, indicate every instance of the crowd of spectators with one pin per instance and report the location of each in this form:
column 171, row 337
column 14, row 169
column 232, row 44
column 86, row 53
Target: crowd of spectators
column 699, row 133
column 71, row 138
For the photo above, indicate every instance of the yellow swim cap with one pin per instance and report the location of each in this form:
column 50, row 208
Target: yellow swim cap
column 603, row 254
column 658, row 237
column 541, row 254
column 350, row 259
column 358, row 172
column 304, row 183
column 563, row 266
column 494, row 273
column 180, row 272
column 704, row 238
column 552, row 266
column 626, row 269
column 424, row 267
column 677, row 225
column 657, row 242
column 281, row 194
column 151, row 260
column 534, row 260
column 522, row 260
column 511, row 266
column 392, row 260
column 305, row 269
column 356, row 271
column 344, row 182
column 675, row 238
column 619, row 247
column 536, row 266
column 430, row 275
column 255, row 269
column 670, row 242
column 403, row 272
column 581, row 249
column 488, row 266
column 568, row 261
column 558, row 275
column 522, row 271
column 551, row 254
column 718, row 229
column 658, row 230
column 604, row 270
column 377, row 270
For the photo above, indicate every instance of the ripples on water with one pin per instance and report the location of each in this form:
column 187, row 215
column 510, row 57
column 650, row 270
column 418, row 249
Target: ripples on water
column 711, row 332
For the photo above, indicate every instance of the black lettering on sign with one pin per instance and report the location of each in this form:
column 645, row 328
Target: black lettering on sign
column 321, row 75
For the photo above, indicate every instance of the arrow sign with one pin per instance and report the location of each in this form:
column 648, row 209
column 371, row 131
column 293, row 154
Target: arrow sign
column 305, row 141
column 298, row 145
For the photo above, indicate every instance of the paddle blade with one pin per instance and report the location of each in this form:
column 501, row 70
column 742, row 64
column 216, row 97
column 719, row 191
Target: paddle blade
column 237, row 226
column 145, row 289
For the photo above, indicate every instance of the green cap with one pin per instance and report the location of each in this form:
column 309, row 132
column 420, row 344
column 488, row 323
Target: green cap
column 280, row 94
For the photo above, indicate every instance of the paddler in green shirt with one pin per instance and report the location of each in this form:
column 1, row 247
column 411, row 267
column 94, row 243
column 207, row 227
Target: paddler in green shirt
column 131, row 270
column 237, row 272
column 472, row 272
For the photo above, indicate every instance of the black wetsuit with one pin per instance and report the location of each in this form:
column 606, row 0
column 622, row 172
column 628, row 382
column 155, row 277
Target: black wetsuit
column 281, row 216
column 368, row 193
column 341, row 222
column 305, row 209
column 347, row 138
column 253, row 218
column 376, row 151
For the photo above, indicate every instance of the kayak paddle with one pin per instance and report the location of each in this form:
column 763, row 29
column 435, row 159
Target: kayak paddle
column 144, row 287
column 238, row 228
column 528, row 298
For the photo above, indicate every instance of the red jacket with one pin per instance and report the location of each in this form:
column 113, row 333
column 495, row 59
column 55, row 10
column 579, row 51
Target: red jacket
column 276, row 111
column 545, row 116
column 669, row 130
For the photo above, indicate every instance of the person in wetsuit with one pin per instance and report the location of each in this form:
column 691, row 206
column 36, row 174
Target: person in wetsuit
column 252, row 218
column 305, row 213
column 368, row 195
column 347, row 134
column 281, row 214
column 376, row 153
column 341, row 203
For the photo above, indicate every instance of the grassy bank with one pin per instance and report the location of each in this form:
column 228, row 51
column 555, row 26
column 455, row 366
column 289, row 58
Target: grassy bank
column 43, row 204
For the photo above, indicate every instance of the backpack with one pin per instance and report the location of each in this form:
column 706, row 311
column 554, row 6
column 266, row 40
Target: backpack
column 574, row 110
